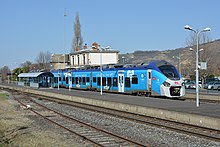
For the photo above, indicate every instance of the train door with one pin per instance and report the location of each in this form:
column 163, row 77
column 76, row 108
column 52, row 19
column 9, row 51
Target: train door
column 70, row 80
column 149, row 81
column 121, row 84
column 90, row 81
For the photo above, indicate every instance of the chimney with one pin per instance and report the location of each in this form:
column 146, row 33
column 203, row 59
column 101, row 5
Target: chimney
column 95, row 46
column 85, row 46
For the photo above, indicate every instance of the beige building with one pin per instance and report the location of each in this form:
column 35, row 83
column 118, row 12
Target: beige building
column 59, row 61
column 88, row 56
column 93, row 57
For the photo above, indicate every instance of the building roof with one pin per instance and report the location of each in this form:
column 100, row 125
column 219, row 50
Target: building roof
column 94, row 51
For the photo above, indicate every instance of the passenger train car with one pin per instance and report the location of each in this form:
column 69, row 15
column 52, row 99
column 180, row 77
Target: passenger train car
column 159, row 78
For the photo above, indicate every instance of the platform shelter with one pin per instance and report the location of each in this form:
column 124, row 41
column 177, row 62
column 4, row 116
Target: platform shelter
column 37, row 79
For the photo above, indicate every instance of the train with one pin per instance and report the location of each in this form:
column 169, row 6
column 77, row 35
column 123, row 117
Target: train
column 158, row 78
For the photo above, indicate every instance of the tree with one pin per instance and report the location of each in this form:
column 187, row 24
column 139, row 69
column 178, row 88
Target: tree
column 25, row 67
column 16, row 72
column 77, row 39
column 4, row 71
column 204, row 55
column 43, row 59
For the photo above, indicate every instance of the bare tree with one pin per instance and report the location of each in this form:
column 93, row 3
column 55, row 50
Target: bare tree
column 204, row 55
column 43, row 59
column 4, row 71
column 77, row 39
column 192, row 40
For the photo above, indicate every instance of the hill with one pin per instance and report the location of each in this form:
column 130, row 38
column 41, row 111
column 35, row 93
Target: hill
column 182, row 58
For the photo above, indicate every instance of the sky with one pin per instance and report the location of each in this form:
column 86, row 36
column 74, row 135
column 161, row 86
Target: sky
column 28, row 27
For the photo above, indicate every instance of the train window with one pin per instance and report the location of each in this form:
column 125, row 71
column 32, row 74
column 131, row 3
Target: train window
column 127, row 82
column 67, row 80
column 80, row 80
column 109, row 81
column 169, row 71
column 94, row 79
column 134, row 80
column 73, row 80
column 98, row 81
column 56, row 80
column 87, row 79
column 115, row 82
column 59, row 78
column 103, row 81
column 84, row 80
column 77, row 80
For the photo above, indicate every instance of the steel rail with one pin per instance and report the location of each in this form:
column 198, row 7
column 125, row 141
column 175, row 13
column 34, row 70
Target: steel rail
column 85, row 124
column 180, row 127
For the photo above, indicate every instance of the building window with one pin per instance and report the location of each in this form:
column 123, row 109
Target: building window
column 84, row 59
column 78, row 59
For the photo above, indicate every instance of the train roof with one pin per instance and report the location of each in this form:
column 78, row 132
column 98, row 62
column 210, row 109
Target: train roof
column 151, row 65
column 154, row 64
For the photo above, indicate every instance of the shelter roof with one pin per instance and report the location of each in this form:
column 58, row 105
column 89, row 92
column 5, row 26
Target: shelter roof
column 34, row 74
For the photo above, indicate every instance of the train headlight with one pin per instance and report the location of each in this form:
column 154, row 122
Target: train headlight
column 166, row 84
column 183, row 84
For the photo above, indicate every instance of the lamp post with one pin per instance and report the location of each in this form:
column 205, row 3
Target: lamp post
column 58, row 86
column 197, row 58
column 100, row 70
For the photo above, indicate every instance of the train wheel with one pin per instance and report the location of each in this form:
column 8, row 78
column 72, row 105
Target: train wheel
column 139, row 93
column 148, row 94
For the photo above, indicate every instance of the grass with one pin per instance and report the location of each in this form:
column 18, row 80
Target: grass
column 3, row 96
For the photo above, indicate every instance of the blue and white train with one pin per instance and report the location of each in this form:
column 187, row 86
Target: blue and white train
column 159, row 78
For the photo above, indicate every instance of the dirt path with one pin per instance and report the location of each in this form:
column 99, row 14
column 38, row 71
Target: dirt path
column 19, row 127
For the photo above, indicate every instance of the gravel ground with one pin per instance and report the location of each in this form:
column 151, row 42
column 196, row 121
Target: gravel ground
column 148, row 135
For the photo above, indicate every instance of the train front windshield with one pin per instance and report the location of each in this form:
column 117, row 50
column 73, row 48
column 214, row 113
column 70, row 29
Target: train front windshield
column 170, row 72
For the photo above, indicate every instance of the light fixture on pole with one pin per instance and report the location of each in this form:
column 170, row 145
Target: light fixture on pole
column 187, row 27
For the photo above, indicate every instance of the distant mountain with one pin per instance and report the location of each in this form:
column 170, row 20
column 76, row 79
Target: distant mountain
column 182, row 58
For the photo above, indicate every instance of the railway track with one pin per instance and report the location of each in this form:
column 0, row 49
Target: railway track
column 189, row 129
column 96, row 136
column 210, row 134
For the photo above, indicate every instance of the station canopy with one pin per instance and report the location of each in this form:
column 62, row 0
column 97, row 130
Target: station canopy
column 34, row 74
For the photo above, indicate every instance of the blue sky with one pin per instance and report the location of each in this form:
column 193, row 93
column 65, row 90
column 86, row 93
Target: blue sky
column 30, row 26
